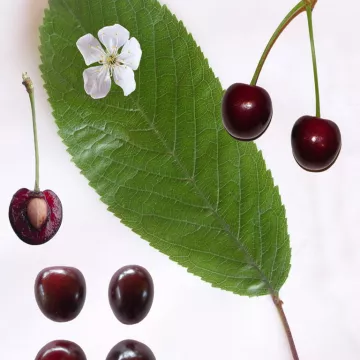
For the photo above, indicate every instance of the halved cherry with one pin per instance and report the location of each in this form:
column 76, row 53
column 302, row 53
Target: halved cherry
column 35, row 216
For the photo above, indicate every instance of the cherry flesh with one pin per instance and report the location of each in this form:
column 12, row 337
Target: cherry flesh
column 315, row 142
column 246, row 111
column 35, row 216
column 61, row 350
column 131, row 294
column 130, row 350
column 60, row 293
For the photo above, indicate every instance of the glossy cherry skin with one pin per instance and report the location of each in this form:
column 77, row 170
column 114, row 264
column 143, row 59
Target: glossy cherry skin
column 246, row 111
column 315, row 142
column 60, row 293
column 20, row 222
column 131, row 294
column 61, row 350
column 130, row 350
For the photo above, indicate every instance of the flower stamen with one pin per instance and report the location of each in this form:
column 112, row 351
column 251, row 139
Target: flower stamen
column 111, row 59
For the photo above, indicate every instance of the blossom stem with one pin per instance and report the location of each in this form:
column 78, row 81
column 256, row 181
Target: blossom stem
column 27, row 82
column 294, row 12
column 313, row 53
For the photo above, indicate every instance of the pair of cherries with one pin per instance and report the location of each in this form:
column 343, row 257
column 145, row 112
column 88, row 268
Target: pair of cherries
column 67, row 350
column 247, row 111
column 60, row 293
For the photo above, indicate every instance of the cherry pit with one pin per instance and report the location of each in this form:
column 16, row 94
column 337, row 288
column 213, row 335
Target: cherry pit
column 247, row 110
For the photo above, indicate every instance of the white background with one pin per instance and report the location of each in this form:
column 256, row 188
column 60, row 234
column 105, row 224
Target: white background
column 189, row 319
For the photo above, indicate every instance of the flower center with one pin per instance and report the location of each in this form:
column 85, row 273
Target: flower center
column 111, row 59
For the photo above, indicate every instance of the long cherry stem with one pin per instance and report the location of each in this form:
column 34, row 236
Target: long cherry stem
column 313, row 53
column 30, row 89
column 297, row 10
column 279, row 305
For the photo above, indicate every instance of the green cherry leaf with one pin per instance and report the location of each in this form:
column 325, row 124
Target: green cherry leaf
column 160, row 158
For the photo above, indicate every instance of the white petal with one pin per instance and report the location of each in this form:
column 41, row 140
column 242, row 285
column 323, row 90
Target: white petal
column 97, row 81
column 124, row 77
column 113, row 37
column 131, row 54
column 90, row 49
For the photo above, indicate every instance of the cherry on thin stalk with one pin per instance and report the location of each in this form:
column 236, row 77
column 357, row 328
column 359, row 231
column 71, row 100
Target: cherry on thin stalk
column 35, row 216
column 130, row 350
column 315, row 142
column 61, row 350
column 131, row 294
column 246, row 111
column 60, row 292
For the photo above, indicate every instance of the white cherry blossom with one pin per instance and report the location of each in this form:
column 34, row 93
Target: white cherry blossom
column 97, row 79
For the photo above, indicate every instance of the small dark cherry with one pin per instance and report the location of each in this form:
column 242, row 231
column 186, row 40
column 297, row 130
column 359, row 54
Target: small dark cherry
column 61, row 350
column 35, row 216
column 60, row 292
column 131, row 294
column 316, row 143
column 130, row 350
column 246, row 111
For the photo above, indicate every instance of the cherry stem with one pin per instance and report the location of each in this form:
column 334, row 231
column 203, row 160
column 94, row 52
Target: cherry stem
column 297, row 10
column 279, row 305
column 30, row 89
column 313, row 53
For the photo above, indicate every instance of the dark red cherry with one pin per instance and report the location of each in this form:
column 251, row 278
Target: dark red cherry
column 246, row 111
column 61, row 350
column 35, row 216
column 315, row 142
column 60, row 292
column 130, row 350
column 131, row 293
